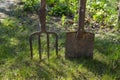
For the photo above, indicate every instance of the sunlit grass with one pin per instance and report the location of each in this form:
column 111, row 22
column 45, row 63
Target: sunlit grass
column 15, row 62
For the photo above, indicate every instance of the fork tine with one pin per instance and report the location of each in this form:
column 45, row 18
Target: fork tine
column 39, row 43
column 39, row 47
column 56, row 41
column 31, row 49
column 48, row 46
column 56, row 45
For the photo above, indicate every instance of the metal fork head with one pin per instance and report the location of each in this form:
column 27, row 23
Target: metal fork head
column 38, row 33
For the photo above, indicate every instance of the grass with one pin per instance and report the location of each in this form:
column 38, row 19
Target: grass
column 15, row 62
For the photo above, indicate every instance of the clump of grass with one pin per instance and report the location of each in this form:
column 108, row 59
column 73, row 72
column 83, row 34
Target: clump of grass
column 15, row 62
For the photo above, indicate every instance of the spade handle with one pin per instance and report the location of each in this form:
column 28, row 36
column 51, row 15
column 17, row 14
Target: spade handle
column 82, row 8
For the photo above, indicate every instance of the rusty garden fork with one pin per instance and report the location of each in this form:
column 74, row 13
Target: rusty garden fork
column 42, row 19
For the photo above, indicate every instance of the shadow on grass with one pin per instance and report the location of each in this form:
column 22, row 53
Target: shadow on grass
column 107, row 46
column 14, row 47
column 93, row 65
column 14, row 33
column 14, row 41
column 26, row 69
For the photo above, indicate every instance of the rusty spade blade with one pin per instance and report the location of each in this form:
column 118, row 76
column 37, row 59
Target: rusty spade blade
column 80, row 43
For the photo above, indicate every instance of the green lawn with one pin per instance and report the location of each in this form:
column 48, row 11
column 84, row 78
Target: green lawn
column 15, row 62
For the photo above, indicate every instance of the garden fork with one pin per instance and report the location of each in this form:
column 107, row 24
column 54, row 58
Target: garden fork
column 42, row 19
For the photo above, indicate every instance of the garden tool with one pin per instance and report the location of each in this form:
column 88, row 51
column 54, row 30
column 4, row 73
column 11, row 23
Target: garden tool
column 80, row 43
column 42, row 19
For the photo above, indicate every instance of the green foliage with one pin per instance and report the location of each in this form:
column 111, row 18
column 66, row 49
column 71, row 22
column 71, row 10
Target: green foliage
column 103, row 12
column 63, row 7
column 59, row 10
column 51, row 3
column 31, row 5
column 76, row 18
column 118, row 22
column 63, row 20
